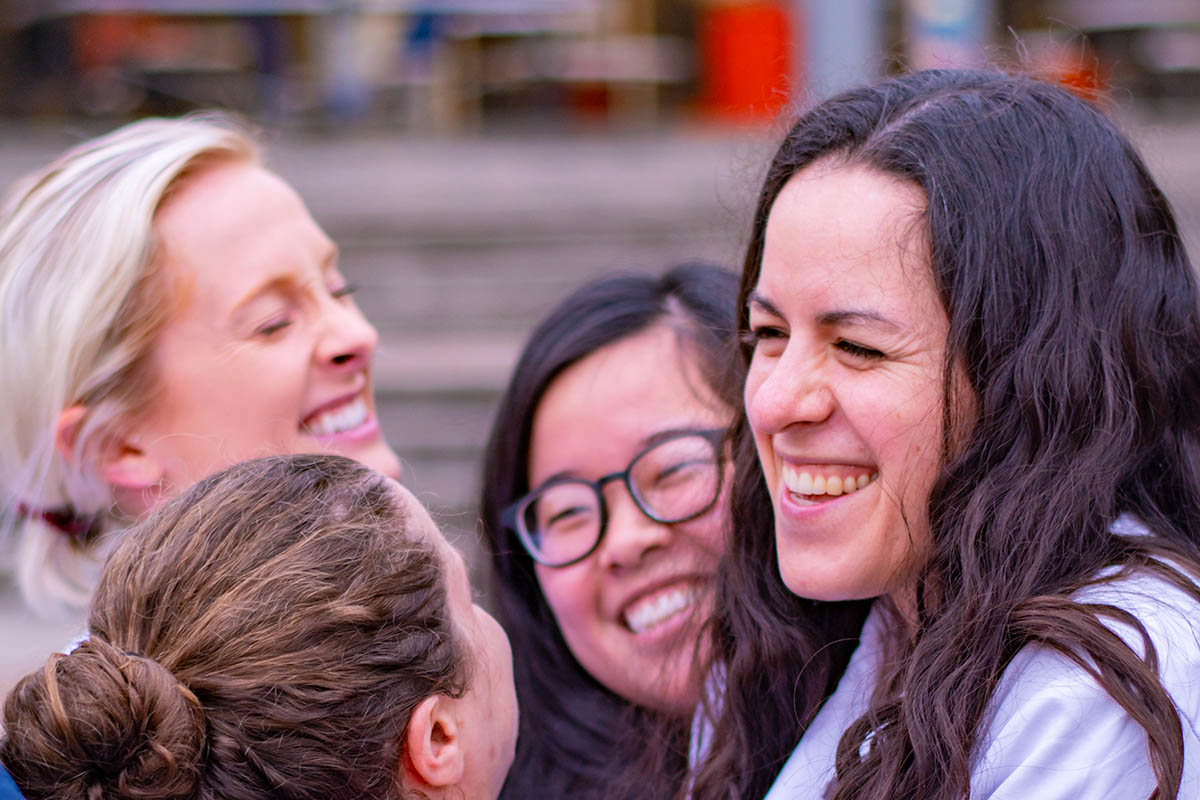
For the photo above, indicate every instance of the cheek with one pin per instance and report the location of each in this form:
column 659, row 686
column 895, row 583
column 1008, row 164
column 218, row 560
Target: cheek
column 570, row 593
column 499, row 641
column 766, row 461
column 909, row 452
column 708, row 534
column 750, row 394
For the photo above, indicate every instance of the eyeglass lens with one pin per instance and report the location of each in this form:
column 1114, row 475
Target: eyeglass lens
column 671, row 482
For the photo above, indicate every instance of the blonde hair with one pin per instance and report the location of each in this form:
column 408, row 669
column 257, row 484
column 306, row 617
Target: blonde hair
column 81, row 303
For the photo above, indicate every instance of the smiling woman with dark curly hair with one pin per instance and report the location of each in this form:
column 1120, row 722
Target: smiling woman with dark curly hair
column 967, row 510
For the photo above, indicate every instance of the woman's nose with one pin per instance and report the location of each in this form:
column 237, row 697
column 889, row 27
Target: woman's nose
column 347, row 339
column 786, row 392
column 630, row 535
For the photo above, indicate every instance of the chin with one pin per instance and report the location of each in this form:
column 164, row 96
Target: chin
column 382, row 460
column 376, row 455
column 803, row 585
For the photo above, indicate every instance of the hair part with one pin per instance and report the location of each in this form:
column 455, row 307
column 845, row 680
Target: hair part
column 82, row 300
column 266, row 634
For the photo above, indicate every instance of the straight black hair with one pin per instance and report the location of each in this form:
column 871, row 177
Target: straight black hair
column 574, row 732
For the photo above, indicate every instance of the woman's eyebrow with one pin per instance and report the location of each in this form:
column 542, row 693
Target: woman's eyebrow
column 853, row 317
column 666, row 434
column 844, row 317
column 330, row 257
column 277, row 283
column 762, row 302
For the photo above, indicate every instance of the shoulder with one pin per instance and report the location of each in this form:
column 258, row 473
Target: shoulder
column 1055, row 732
column 810, row 767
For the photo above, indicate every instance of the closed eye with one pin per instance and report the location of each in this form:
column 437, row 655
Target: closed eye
column 857, row 350
column 567, row 513
column 345, row 290
column 762, row 333
column 273, row 326
column 682, row 471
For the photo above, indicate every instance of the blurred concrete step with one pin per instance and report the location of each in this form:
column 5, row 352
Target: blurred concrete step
column 450, row 190
column 436, row 395
column 406, row 290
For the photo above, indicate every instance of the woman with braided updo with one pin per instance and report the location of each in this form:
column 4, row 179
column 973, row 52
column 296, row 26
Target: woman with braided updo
column 291, row 627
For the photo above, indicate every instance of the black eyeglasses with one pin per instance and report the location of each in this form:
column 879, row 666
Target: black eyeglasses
column 673, row 480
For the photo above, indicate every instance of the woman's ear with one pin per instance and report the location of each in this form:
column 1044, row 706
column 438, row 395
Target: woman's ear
column 124, row 464
column 67, row 430
column 433, row 753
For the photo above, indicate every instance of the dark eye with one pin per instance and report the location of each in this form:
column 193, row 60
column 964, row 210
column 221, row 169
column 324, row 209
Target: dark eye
column 857, row 350
column 345, row 290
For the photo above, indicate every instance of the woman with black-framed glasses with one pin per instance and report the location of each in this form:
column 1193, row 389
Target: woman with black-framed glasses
column 675, row 478
column 604, row 511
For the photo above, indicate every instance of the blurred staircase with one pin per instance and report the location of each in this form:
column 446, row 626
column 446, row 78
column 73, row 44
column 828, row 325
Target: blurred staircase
column 459, row 248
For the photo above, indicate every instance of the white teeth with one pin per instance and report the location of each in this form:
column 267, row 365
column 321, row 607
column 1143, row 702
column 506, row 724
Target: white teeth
column 805, row 483
column 658, row 608
column 339, row 420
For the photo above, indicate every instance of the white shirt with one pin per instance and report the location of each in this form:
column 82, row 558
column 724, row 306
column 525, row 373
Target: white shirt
column 1053, row 732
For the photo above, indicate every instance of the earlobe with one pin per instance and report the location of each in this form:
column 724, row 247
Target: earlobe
column 123, row 464
column 134, row 476
column 128, row 467
column 433, row 754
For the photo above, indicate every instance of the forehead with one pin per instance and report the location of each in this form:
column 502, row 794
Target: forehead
column 236, row 221
column 605, row 404
column 419, row 524
column 417, row 519
column 846, row 232
column 651, row 369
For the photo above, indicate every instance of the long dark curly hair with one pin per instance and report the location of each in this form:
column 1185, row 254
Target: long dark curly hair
column 1074, row 315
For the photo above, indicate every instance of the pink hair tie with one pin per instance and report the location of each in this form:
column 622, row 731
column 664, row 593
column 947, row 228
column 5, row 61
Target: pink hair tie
column 79, row 527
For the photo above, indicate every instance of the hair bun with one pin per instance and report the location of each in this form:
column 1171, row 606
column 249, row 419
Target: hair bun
column 103, row 723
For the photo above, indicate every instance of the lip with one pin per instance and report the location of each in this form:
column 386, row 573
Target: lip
column 340, row 400
column 671, row 627
column 790, row 507
column 821, row 461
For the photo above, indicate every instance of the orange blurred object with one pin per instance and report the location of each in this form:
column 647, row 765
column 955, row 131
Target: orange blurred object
column 1070, row 62
column 745, row 59
column 104, row 40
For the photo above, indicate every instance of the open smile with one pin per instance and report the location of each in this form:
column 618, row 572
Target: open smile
column 348, row 415
column 818, row 484
column 660, row 607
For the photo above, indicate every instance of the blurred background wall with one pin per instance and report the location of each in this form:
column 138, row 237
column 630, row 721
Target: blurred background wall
column 476, row 65
column 477, row 159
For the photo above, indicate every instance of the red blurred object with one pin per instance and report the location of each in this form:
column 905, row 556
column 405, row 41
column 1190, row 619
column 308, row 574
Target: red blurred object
column 1070, row 62
column 745, row 59
column 105, row 40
